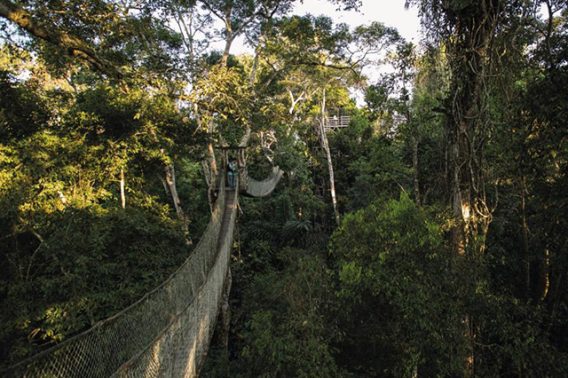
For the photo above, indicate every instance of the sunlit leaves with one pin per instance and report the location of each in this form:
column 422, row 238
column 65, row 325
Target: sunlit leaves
column 223, row 99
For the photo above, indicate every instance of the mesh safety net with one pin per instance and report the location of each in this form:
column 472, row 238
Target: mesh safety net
column 263, row 188
column 164, row 334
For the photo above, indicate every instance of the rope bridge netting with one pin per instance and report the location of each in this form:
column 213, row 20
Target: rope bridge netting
column 262, row 188
column 167, row 332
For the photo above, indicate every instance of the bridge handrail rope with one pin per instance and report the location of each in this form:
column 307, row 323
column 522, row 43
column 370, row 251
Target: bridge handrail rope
column 263, row 188
column 181, row 349
column 165, row 333
column 248, row 185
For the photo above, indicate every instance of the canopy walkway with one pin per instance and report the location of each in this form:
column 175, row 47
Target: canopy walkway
column 262, row 188
column 167, row 332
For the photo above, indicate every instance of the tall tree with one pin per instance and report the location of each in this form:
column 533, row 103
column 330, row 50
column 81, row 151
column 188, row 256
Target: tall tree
column 467, row 30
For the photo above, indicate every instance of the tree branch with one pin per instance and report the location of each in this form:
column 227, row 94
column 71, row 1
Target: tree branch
column 212, row 10
column 75, row 46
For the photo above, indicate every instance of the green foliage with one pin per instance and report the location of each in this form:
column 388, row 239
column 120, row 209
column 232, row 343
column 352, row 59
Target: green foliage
column 70, row 256
column 21, row 111
column 224, row 100
column 369, row 165
column 91, row 263
column 286, row 332
column 399, row 309
column 390, row 299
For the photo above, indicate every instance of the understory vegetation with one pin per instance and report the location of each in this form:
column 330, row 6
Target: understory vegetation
column 424, row 236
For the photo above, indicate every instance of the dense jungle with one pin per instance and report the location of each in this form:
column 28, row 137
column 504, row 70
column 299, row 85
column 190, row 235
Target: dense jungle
column 419, row 230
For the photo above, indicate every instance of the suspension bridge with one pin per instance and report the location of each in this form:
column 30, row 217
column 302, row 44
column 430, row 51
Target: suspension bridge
column 167, row 332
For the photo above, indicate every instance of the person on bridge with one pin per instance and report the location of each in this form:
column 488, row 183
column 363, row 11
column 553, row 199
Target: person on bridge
column 232, row 173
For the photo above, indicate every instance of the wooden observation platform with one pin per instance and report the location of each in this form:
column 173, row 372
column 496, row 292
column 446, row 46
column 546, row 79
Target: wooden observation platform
column 335, row 122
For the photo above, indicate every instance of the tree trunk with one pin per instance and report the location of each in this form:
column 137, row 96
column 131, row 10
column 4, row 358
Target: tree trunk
column 207, row 175
column 416, row 181
column 544, row 276
column 460, row 209
column 229, row 36
column 209, row 165
column 526, row 262
column 469, row 53
column 171, row 183
column 325, row 146
column 122, row 193
column 213, row 175
column 227, row 50
column 212, row 163
column 252, row 77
